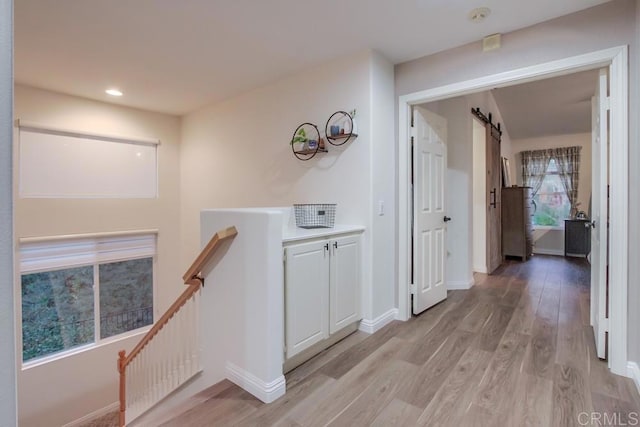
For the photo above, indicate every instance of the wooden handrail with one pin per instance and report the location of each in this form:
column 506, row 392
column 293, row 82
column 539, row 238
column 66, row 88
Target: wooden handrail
column 193, row 278
column 171, row 311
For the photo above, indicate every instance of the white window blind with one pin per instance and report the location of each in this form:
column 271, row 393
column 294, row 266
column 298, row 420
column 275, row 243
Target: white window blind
column 51, row 255
column 57, row 163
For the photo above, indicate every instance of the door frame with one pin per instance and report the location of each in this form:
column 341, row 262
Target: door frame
column 616, row 59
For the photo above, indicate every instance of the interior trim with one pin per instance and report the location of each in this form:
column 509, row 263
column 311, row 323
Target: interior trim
column 616, row 58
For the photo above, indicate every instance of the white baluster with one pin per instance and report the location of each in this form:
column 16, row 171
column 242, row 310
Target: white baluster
column 143, row 378
column 127, row 386
column 170, row 353
column 147, row 377
column 133, row 386
column 151, row 377
column 176, row 351
column 134, row 381
column 181, row 349
column 163, row 361
column 156, row 378
column 139, row 380
column 167, row 361
column 195, row 345
column 187, row 333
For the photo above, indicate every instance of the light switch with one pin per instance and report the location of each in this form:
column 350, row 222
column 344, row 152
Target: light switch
column 381, row 208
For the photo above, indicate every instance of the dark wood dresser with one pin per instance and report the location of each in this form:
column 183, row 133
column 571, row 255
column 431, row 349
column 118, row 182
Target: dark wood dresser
column 517, row 229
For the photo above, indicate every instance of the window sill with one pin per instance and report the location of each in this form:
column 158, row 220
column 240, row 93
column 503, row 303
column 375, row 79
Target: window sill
column 84, row 348
column 548, row 227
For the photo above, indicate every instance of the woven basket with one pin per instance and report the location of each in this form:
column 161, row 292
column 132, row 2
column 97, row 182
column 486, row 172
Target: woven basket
column 318, row 215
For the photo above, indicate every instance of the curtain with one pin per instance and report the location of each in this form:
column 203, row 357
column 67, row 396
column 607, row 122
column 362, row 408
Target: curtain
column 534, row 167
column 568, row 162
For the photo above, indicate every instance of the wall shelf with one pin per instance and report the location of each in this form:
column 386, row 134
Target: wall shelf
column 311, row 151
column 340, row 128
column 307, row 132
column 341, row 137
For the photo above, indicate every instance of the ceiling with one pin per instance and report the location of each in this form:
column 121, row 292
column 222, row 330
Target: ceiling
column 555, row 106
column 175, row 56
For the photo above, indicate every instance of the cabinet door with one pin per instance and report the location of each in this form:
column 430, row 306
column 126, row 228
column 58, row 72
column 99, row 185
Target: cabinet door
column 306, row 295
column 345, row 295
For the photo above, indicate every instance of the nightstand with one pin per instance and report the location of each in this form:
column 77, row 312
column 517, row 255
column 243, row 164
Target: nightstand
column 577, row 237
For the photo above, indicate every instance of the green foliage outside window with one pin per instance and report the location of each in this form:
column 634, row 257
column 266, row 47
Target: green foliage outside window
column 552, row 203
column 57, row 311
column 58, row 305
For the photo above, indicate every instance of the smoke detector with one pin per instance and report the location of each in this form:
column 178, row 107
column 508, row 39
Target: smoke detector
column 479, row 14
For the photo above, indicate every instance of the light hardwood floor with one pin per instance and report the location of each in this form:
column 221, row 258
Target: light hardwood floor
column 515, row 350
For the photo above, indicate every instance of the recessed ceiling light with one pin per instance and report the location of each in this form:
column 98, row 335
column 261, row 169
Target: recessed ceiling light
column 113, row 92
column 479, row 14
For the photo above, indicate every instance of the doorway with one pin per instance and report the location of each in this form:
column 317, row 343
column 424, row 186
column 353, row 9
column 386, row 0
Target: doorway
column 479, row 190
column 616, row 60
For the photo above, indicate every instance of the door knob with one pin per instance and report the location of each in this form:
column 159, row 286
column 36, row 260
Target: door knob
column 447, row 219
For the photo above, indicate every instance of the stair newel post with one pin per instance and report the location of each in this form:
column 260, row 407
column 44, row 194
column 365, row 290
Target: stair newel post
column 122, row 370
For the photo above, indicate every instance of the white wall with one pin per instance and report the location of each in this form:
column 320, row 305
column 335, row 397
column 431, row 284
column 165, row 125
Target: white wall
column 608, row 25
column 7, row 336
column 479, row 191
column 459, row 191
column 64, row 390
column 383, row 242
column 237, row 154
column 548, row 241
column 487, row 104
column 461, row 157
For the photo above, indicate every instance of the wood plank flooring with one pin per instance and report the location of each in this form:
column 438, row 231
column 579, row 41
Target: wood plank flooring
column 515, row 350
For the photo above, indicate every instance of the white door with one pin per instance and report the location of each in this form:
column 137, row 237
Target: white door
column 306, row 295
column 599, row 214
column 344, row 284
column 429, row 168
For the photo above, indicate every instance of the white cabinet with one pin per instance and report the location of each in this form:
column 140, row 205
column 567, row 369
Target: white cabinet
column 322, row 290
column 306, row 278
column 344, row 283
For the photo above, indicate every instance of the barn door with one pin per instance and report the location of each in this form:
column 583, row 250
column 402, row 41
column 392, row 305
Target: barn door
column 494, row 187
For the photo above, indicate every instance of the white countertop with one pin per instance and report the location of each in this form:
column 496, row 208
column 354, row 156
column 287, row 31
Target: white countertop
column 293, row 234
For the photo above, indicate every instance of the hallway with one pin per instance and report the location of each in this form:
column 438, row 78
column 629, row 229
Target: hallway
column 516, row 349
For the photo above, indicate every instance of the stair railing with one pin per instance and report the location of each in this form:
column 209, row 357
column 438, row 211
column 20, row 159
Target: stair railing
column 169, row 354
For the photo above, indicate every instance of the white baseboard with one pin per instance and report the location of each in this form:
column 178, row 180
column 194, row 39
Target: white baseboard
column 543, row 251
column 634, row 373
column 94, row 415
column 371, row 326
column 266, row 392
column 482, row 270
column 459, row 284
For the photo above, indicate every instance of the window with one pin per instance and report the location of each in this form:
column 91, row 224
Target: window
column 552, row 203
column 78, row 292
column 69, row 164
